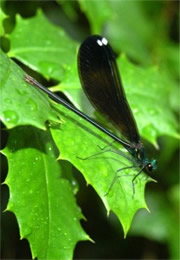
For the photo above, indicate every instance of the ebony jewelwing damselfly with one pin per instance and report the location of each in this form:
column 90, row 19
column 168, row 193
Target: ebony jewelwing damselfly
column 102, row 84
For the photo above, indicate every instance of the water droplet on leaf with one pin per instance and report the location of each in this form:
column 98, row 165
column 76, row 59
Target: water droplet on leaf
column 11, row 116
column 7, row 100
column 32, row 105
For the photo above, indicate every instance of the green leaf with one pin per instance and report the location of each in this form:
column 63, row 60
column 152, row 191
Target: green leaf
column 130, row 30
column 71, row 87
column 21, row 104
column 101, row 10
column 77, row 140
column 70, row 9
column 45, row 48
column 148, row 92
column 41, row 199
column 100, row 172
column 2, row 17
column 170, row 58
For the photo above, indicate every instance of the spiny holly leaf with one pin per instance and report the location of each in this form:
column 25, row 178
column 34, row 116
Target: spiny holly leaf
column 144, row 98
column 41, row 199
column 42, row 46
column 77, row 140
column 21, row 103
column 100, row 177
column 148, row 92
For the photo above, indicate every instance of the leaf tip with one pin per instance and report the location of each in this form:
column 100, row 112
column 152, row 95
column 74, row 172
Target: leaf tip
column 106, row 205
column 4, row 182
column 156, row 145
column 59, row 158
column 5, row 210
column 8, row 208
column 91, row 240
column 148, row 209
column 125, row 234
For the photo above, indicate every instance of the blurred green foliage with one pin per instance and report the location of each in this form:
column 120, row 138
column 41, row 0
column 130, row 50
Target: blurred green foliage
column 43, row 37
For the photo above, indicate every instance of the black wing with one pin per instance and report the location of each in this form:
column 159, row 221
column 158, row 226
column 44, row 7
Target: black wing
column 101, row 82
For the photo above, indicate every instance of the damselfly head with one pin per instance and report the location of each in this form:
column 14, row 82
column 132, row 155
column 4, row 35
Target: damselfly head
column 151, row 166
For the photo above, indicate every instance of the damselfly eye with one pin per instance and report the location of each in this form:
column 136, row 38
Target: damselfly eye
column 150, row 167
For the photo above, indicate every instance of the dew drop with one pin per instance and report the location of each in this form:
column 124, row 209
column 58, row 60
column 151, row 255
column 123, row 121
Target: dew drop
column 135, row 111
column 74, row 183
column 7, row 100
column 32, row 105
column 11, row 116
column 27, row 230
column 21, row 92
column 50, row 70
column 152, row 111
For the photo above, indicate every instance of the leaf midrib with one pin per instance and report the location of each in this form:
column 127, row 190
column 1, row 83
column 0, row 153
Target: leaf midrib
column 34, row 49
column 47, row 196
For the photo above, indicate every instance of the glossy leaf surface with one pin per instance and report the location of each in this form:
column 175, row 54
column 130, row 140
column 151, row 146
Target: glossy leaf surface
column 43, row 49
column 21, row 104
column 41, row 199
column 100, row 169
